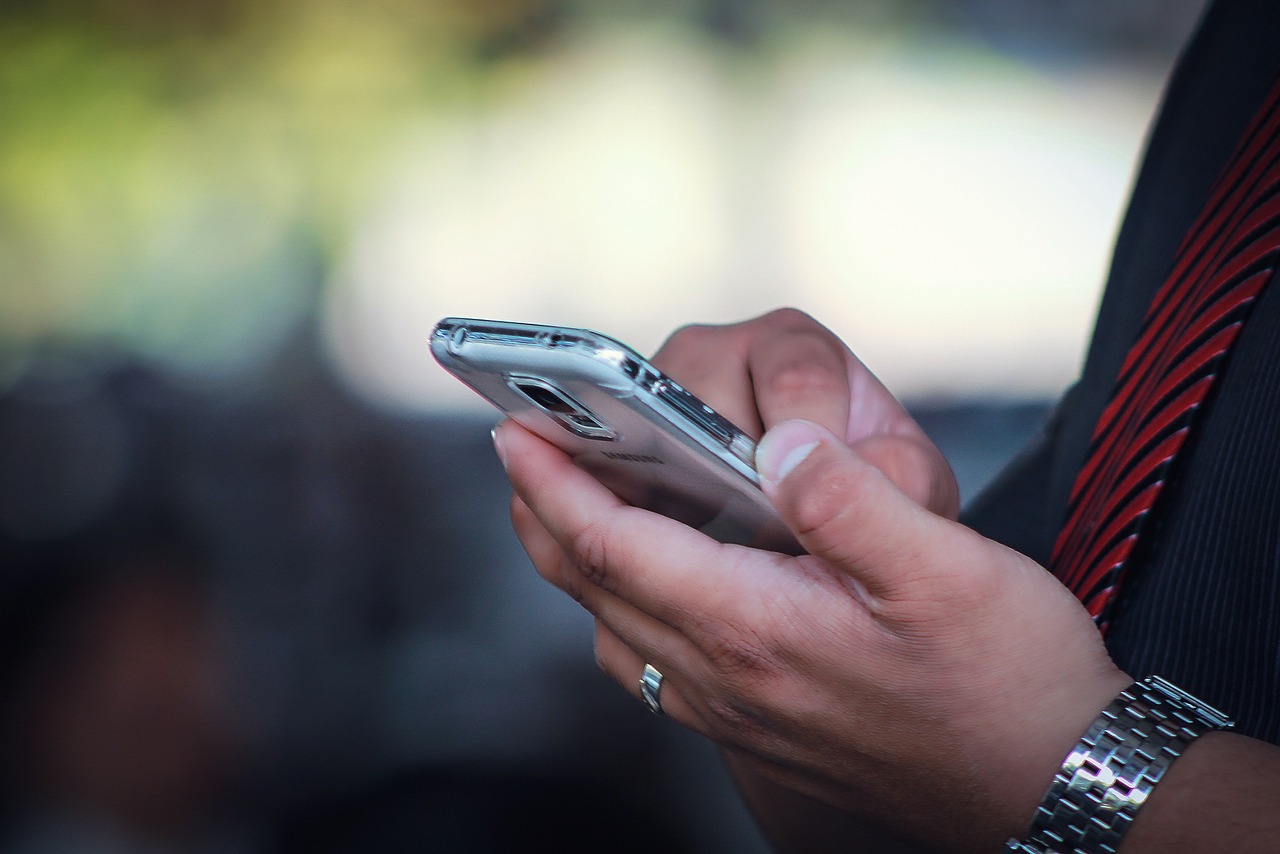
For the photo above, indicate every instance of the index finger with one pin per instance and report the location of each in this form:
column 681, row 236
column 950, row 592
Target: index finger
column 611, row 543
column 779, row 366
column 799, row 369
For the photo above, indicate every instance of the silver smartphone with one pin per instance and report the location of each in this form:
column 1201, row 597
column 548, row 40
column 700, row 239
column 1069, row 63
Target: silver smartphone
column 636, row 430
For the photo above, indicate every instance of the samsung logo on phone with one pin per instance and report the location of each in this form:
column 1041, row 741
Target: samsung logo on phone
column 632, row 458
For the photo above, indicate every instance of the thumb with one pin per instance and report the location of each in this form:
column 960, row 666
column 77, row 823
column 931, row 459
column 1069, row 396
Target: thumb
column 841, row 507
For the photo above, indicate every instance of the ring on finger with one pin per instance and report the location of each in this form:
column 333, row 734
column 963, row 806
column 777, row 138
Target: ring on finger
column 651, row 688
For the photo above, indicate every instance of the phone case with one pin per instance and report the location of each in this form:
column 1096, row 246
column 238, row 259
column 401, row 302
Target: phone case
column 636, row 430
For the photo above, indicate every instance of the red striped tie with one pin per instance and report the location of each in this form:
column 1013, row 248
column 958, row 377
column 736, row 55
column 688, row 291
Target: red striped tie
column 1224, row 261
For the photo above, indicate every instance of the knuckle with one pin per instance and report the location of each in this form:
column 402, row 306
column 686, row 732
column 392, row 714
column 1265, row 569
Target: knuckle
column 752, row 676
column 694, row 339
column 741, row 722
column 801, row 380
column 789, row 318
column 837, row 514
column 692, row 334
column 831, row 496
column 740, row 656
column 688, row 353
column 688, row 343
column 570, row 581
column 603, row 661
column 562, row 574
column 589, row 552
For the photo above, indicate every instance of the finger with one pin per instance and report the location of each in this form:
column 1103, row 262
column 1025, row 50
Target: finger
column 917, row 468
column 625, row 666
column 555, row 566
column 641, row 631
column 545, row 553
column 662, row 645
column 781, row 365
column 799, row 369
column 845, row 510
column 611, row 544
column 710, row 361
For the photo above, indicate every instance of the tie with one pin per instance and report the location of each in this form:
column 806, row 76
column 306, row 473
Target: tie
column 1220, row 268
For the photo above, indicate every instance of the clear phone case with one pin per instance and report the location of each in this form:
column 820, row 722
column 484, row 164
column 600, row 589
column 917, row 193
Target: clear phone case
column 650, row 441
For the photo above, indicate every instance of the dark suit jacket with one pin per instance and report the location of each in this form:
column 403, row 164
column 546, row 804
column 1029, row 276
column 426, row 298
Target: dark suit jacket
column 1201, row 601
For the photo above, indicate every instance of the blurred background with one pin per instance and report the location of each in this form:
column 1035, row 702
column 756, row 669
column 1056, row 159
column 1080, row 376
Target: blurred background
column 257, row 587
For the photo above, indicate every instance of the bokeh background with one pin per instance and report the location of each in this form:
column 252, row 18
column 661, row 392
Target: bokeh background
column 257, row 589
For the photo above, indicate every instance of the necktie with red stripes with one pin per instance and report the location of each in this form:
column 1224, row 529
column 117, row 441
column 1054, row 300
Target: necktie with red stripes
column 1227, row 257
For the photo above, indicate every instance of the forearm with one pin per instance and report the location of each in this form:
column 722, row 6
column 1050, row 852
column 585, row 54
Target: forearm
column 1221, row 795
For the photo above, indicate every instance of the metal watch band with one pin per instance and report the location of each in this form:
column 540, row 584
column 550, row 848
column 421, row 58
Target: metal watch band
column 1110, row 773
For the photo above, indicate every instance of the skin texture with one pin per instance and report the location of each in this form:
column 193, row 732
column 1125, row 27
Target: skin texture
column 906, row 685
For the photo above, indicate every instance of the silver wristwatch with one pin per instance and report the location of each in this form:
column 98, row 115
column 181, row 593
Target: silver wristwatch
column 1110, row 773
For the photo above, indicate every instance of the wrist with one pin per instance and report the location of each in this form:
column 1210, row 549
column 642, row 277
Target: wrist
column 1054, row 725
column 1109, row 774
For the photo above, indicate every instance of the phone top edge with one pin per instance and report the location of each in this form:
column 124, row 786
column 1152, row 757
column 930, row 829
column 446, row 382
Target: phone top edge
column 716, row 430
column 451, row 334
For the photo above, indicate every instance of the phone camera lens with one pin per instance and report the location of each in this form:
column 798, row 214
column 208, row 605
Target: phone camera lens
column 570, row 414
column 547, row 399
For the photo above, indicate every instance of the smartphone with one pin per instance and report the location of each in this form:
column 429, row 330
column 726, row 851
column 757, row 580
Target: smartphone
column 651, row 442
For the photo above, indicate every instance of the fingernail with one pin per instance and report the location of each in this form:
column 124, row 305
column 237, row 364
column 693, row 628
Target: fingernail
column 499, row 443
column 785, row 447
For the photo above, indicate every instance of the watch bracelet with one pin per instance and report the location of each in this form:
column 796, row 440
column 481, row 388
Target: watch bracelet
column 1111, row 771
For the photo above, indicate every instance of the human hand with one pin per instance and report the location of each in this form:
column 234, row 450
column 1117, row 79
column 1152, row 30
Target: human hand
column 906, row 670
column 786, row 365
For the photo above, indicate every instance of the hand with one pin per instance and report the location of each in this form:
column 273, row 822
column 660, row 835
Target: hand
column 786, row 365
column 906, row 670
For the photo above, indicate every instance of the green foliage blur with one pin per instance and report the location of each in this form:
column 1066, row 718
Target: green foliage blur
column 177, row 176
